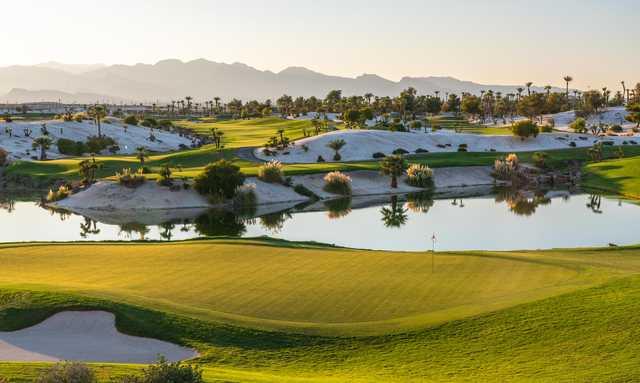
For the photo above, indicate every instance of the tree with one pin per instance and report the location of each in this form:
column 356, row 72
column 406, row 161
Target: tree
column 579, row 125
column 525, row 129
column 87, row 169
column 531, row 106
column 634, row 113
column 592, row 101
column 567, row 80
column 97, row 113
column 393, row 166
column 336, row 145
column 471, row 105
column 219, row 179
column 43, row 143
column 528, row 85
column 141, row 154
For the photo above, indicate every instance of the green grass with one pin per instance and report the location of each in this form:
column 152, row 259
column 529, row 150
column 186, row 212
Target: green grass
column 620, row 176
column 252, row 132
column 571, row 316
column 464, row 126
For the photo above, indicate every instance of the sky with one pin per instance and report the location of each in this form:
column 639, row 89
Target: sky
column 486, row 41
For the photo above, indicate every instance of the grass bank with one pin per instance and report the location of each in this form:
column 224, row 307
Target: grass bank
column 619, row 176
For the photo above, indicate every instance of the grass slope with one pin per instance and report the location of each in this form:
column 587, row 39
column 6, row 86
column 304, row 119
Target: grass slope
column 589, row 334
column 620, row 176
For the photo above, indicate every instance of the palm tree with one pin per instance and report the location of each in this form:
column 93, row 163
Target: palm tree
column 528, row 85
column 141, row 154
column 368, row 96
column 336, row 145
column 393, row 166
column 217, row 101
column 624, row 90
column 97, row 112
column 43, row 143
column 548, row 89
column 189, row 98
column 519, row 90
column 605, row 95
column 567, row 80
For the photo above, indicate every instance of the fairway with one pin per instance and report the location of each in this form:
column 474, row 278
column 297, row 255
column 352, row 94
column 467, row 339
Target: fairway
column 309, row 290
column 620, row 176
column 251, row 132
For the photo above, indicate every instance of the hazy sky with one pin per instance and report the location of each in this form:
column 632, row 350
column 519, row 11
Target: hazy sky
column 488, row 41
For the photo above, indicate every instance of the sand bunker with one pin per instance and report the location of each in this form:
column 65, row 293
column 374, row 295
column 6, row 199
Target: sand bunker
column 88, row 336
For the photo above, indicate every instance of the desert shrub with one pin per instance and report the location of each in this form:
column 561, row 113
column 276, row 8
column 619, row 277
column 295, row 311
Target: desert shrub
column 245, row 196
column 525, row 129
column 97, row 144
column 149, row 123
column 400, row 151
column 305, row 191
column 419, row 175
column 3, row 157
column 616, row 129
column 546, row 128
column 165, row 372
column 607, row 143
column 336, row 145
column 421, row 150
column 462, row 148
column 130, row 178
column 579, row 125
column 130, row 120
column 71, row 148
column 320, row 159
column 540, row 159
column 507, row 168
column 165, row 176
column 60, row 194
column 67, row 372
column 572, row 144
column 79, row 117
column 271, row 172
column 305, row 147
column 377, row 155
column 337, row 183
column 219, row 179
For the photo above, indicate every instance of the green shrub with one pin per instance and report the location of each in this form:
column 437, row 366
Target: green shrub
column 67, row 372
column 540, row 159
column 130, row 178
column 525, row 129
column 165, row 124
column 219, row 180
column 546, row 129
column 3, row 157
column 337, row 183
column 579, row 125
column 71, row 148
column 97, row 144
column 421, row 150
column 378, row 155
column 164, row 372
column 616, row 129
column 165, row 176
column 271, row 172
column 149, row 123
column 400, row 151
column 131, row 120
column 419, row 175
column 60, row 194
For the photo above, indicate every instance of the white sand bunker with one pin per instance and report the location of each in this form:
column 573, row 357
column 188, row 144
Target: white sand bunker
column 89, row 336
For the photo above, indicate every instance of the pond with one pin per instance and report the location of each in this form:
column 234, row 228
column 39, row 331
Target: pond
column 505, row 220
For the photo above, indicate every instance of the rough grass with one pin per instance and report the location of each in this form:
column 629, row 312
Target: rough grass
column 587, row 334
column 620, row 176
column 464, row 126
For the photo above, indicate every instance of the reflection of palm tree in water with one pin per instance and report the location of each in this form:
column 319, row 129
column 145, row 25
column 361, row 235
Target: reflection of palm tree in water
column 9, row 205
column 519, row 203
column 395, row 215
column 88, row 227
column 419, row 202
column 274, row 222
column 595, row 200
column 134, row 227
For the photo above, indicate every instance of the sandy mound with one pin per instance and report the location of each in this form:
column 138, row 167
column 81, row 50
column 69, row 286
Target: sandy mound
column 84, row 336
column 19, row 146
column 611, row 116
column 362, row 144
column 160, row 203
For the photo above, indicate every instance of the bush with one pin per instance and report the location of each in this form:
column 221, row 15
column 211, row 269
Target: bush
column 540, row 159
column 165, row 124
column 525, row 129
column 79, row 117
column 149, row 123
column 419, row 175
column 303, row 190
column 130, row 178
column 579, row 125
column 420, row 150
column 165, row 372
column 271, row 172
column 131, row 120
column 219, row 180
column 377, row 155
column 97, row 144
column 616, row 129
column 71, row 148
column 320, row 159
column 71, row 372
column 400, row 151
column 60, row 194
column 3, row 157
column 506, row 169
column 546, row 129
column 337, row 183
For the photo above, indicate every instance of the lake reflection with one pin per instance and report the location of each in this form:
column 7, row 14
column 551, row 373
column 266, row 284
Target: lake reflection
column 508, row 219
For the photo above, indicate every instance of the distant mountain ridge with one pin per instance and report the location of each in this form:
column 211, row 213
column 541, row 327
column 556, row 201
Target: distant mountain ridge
column 203, row 80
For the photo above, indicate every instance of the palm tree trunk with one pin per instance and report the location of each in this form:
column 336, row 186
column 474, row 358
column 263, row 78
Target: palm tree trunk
column 394, row 182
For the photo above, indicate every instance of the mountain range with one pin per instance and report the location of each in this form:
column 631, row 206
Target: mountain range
column 203, row 80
